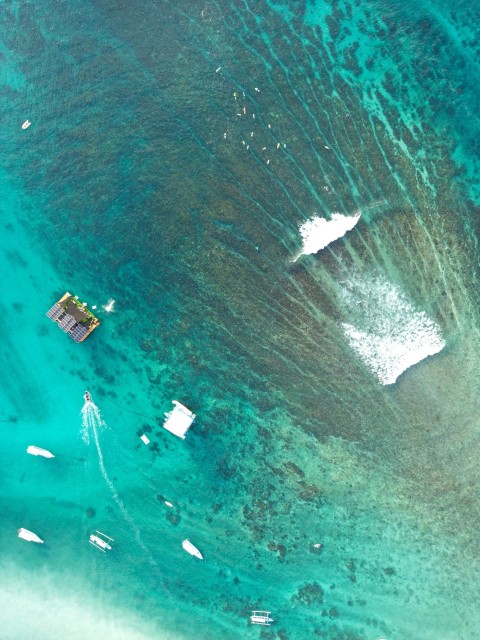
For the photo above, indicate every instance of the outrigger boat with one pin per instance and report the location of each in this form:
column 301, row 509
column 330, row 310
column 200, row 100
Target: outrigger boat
column 29, row 536
column 38, row 451
column 87, row 397
column 261, row 617
column 101, row 541
column 191, row 549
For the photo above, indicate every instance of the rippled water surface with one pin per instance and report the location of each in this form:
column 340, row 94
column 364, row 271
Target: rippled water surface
column 181, row 160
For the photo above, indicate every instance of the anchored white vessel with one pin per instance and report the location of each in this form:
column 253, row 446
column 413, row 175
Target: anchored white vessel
column 178, row 420
column 38, row 451
column 26, row 124
column 261, row 617
column 191, row 549
column 101, row 541
column 25, row 534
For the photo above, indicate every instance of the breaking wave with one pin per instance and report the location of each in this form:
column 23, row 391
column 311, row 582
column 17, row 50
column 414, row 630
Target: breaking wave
column 317, row 233
column 389, row 334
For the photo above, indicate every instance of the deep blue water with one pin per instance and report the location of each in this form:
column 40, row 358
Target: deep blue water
column 175, row 150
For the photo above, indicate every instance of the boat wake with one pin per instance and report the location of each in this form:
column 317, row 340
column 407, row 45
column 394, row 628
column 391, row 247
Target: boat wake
column 388, row 333
column 92, row 423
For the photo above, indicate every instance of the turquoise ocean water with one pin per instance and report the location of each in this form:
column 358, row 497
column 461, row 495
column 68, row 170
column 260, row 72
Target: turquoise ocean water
column 175, row 150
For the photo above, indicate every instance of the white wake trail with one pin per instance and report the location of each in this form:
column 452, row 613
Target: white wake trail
column 92, row 421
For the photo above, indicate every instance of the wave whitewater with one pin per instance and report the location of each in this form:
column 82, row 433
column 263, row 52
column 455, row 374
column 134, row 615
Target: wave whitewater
column 317, row 233
column 389, row 334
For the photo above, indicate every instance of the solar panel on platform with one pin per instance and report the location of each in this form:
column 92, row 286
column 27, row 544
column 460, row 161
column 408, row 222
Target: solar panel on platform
column 78, row 333
column 55, row 312
column 67, row 323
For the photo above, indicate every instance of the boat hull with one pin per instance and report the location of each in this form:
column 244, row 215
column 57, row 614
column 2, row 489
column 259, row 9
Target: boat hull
column 191, row 549
column 29, row 536
column 38, row 451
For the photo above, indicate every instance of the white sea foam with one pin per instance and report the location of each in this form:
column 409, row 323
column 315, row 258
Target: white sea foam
column 389, row 334
column 317, row 233
column 109, row 307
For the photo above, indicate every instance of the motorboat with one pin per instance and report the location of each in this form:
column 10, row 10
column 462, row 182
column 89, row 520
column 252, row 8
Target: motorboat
column 101, row 541
column 87, row 397
column 191, row 549
column 29, row 536
column 26, row 124
column 261, row 617
column 38, row 451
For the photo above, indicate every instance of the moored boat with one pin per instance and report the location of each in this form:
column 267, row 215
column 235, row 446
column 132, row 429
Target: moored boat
column 261, row 617
column 38, row 451
column 101, row 541
column 29, row 536
column 191, row 549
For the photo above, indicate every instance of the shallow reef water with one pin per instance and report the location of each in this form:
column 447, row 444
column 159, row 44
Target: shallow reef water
column 177, row 156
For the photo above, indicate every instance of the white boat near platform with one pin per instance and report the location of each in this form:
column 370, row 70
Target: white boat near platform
column 261, row 617
column 191, row 549
column 29, row 536
column 38, row 451
column 178, row 420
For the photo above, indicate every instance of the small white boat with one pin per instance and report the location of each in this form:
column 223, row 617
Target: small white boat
column 261, row 617
column 144, row 439
column 26, row 124
column 101, row 541
column 169, row 504
column 25, row 534
column 38, row 451
column 87, row 397
column 191, row 549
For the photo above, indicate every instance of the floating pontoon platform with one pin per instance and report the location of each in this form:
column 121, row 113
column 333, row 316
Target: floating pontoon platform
column 178, row 420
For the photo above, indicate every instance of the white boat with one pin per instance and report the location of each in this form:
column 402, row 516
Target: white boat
column 144, row 439
column 26, row 124
column 178, row 420
column 25, row 534
column 38, row 451
column 101, row 541
column 191, row 549
column 261, row 617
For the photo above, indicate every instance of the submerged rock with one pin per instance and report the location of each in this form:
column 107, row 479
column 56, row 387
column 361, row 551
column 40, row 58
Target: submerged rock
column 309, row 594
